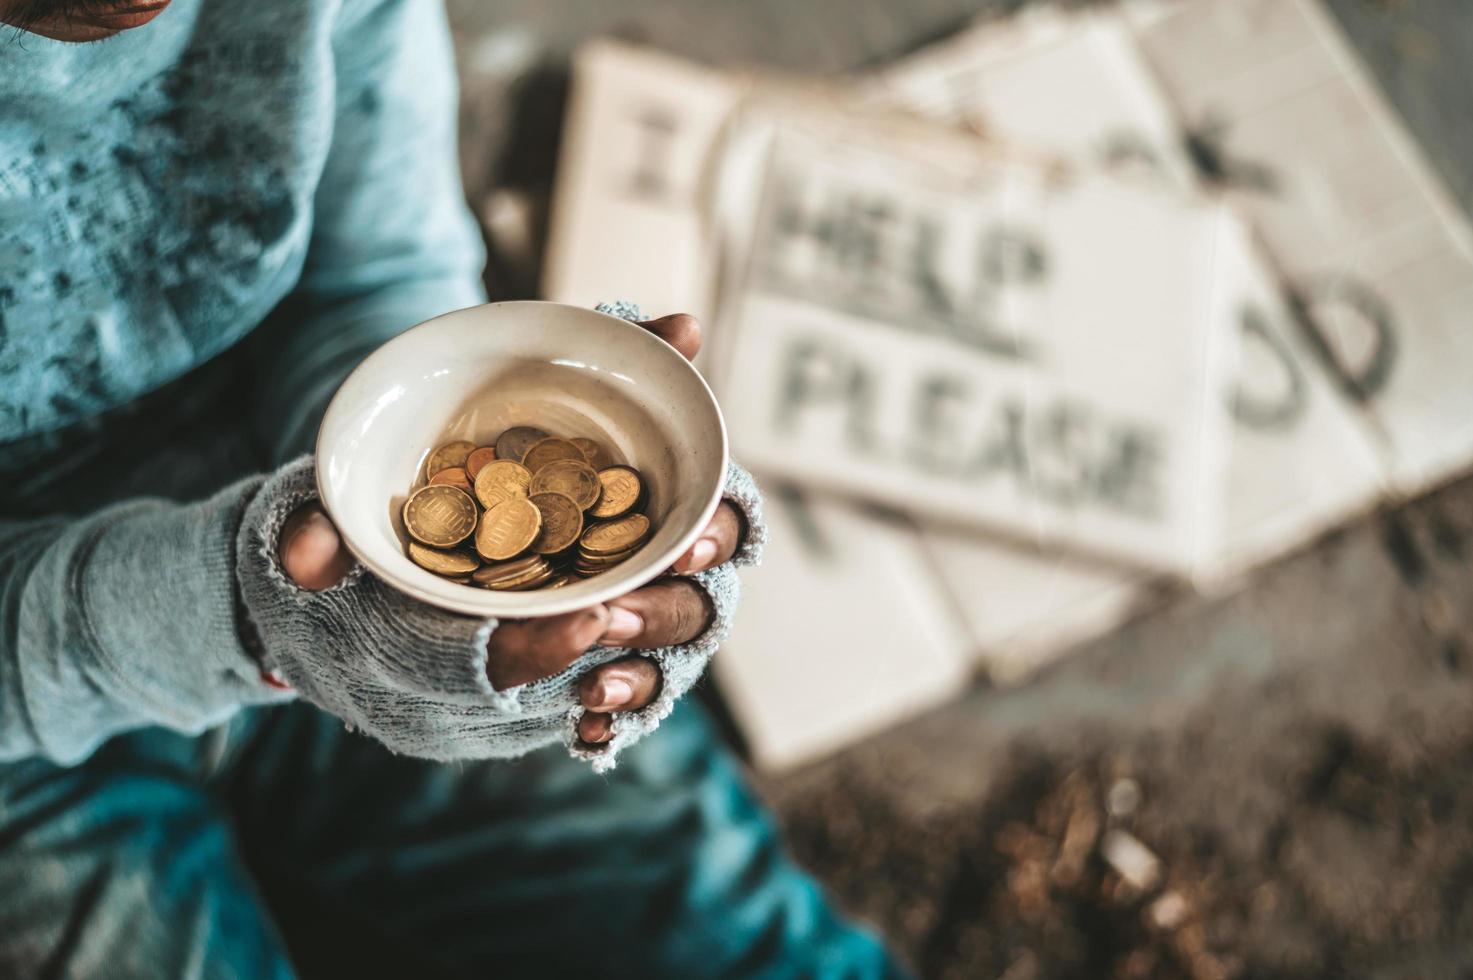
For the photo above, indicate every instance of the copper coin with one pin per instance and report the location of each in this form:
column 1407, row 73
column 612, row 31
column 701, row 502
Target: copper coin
column 455, row 477
column 448, row 455
column 538, row 582
column 501, row 480
column 506, row 529
column 612, row 537
column 515, row 441
column 450, row 563
column 507, row 569
column 621, row 490
column 570, row 476
column 478, row 459
column 592, row 558
column 549, row 450
column 562, row 522
column 534, row 574
column 439, row 516
column 593, row 453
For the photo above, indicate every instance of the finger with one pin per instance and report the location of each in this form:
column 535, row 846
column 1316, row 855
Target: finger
column 717, row 543
column 311, row 551
column 529, row 650
column 624, row 685
column 595, row 729
column 680, row 330
column 663, row 614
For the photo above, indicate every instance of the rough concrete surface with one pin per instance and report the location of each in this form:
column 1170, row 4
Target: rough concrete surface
column 1273, row 783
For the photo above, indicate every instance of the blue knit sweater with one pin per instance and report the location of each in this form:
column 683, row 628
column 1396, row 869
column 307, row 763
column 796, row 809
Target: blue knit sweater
column 264, row 191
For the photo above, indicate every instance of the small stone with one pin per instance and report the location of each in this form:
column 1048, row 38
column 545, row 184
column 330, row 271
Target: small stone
column 1168, row 911
column 1123, row 798
column 1131, row 859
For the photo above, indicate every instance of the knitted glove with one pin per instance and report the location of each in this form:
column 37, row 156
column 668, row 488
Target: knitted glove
column 414, row 677
column 681, row 666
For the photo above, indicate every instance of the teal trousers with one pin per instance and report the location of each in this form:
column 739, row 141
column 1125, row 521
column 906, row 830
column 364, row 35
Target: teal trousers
column 282, row 845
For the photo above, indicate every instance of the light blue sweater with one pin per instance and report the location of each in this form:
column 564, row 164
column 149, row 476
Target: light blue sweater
column 283, row 169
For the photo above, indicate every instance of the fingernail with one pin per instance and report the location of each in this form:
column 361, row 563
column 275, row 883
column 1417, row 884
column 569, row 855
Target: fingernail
column 703, row 554
column 613, row 692
column 624, row 624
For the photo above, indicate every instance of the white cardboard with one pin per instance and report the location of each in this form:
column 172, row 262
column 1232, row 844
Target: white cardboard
column 841, row 632
column 1346, row 205
column 912, row 319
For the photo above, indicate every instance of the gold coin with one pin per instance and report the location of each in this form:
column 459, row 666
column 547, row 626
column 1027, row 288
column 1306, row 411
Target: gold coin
column 560, row 581
column 562, row 521
column 454, row 477
column 534, row 583
column 592, row 558
column 588, row 564
column 535, row 575
column 612, row 537
column 439, row 516
column 545, row 451
column 593, row 453
column 513, row 443
column 622, row 488
column 478, row 459
column 506, row 569
column 448, row 455
column 501, row 480
column 570, row 476
column 453, row 563
column 539, row 572
column 507, row 528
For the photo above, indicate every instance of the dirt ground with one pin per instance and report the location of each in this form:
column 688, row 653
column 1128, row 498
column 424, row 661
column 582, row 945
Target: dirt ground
column 1269, row 784
column 1292, row 762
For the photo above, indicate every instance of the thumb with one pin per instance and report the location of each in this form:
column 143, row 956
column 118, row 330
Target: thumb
column 311, row 550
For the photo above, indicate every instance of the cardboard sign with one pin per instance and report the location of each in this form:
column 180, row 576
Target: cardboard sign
column 911, row 319
column 1023, row 608
column 1369, row 241
column 841, row 631
column 1301, row 458
column 627, row 218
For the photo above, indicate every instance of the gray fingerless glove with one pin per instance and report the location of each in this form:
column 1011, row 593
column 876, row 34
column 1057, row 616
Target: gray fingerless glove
column 413, row 676
column 681, row 666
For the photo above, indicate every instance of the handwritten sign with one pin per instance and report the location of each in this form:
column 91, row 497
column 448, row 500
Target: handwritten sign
column 911, row 319
column 807, row 678
column 627, row 210
column 1373, row 249
column 1302, row 458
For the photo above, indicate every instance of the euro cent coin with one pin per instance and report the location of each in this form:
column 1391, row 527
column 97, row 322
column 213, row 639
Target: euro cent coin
column 439, row 516
column 514, row 442
column 507, row 529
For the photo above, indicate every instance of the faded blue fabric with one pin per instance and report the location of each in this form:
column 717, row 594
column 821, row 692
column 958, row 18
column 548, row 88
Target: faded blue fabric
column 165, row 190
column 283, row 846
column 161, row 194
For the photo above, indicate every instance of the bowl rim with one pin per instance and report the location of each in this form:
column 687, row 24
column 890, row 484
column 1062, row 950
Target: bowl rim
column 541, row 604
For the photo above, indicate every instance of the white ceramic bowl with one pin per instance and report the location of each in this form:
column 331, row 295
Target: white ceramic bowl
column 473, row 373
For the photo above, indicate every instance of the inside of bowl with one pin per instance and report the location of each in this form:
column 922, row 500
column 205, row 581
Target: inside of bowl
column 565, row 400
column 457, row 380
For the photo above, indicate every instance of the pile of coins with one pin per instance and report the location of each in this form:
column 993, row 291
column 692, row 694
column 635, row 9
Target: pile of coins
column 531, row 511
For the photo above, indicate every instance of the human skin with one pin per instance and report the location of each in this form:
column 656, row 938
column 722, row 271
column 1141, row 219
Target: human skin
column 668, row 612
column 79, row 20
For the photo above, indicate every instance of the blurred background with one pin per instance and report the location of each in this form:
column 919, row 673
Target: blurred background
column 1106, row 369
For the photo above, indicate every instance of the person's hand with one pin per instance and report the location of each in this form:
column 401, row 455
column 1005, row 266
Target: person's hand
column 668, row 612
